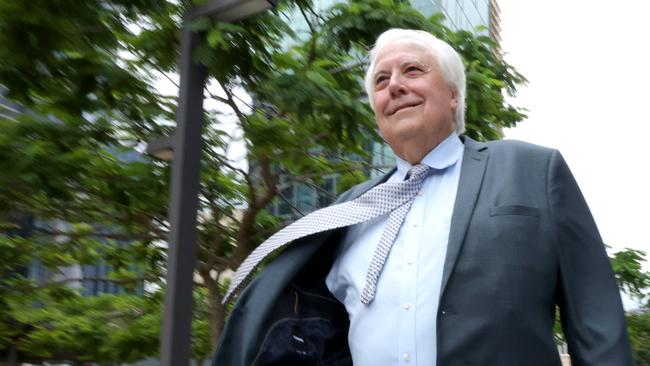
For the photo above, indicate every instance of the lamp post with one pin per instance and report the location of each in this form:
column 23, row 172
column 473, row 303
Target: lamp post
column 184, row 148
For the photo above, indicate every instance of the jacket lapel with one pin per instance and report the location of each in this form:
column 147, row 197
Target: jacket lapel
column 475, row 159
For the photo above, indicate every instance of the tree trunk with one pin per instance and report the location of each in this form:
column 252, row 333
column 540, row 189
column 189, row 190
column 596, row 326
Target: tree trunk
column 217, row 311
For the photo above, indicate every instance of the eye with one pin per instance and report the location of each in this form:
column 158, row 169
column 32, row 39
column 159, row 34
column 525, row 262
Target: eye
column 380, row 81
column 412, row 69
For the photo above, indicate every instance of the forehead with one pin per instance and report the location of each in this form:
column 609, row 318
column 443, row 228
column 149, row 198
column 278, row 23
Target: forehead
column 403, row 50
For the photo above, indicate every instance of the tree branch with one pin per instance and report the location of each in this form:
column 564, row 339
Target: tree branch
column 318, row 16
column 241, row 100
column 227, row 164
column 316, row 187
column 293, row 207
column 216, row 97
column 307, row 20
column 231, row 102
column 256, row 204
column 343, row 68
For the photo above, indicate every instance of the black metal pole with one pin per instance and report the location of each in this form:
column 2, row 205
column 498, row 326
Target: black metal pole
column 12, row 355
column 183, row 206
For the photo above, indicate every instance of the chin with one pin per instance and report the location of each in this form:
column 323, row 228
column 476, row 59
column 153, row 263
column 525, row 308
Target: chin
column 410, row 129
column 405, row 137
column 406, row 124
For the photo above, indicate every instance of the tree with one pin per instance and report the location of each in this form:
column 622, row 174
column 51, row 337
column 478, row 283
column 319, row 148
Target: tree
column 628, row 269
column 634, row 281
column 85, row 70
column 638, row 327
column 67, row 191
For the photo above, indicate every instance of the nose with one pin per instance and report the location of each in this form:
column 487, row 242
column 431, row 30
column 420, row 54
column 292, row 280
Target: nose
column 396, row 86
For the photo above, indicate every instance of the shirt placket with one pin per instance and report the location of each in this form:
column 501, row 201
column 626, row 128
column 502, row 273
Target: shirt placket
column 410, row 238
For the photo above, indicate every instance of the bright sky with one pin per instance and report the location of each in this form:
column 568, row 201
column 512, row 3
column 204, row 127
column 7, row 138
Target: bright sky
column 587, row 65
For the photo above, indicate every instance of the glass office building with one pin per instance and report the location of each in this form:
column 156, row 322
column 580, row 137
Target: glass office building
column 92, row 277
column 459, row 14
column 89, row 279
column 465, row 14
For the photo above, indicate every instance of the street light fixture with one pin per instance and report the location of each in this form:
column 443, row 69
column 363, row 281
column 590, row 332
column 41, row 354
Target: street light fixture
column 231, row 10
column 184, row 149
column 162, row 148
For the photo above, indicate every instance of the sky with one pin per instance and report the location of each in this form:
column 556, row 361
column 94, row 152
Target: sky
column 587, row 66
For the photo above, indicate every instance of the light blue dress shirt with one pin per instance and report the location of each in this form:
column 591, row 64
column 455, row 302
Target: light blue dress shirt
column 399, row 326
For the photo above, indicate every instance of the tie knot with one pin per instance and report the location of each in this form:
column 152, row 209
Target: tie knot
column 418, row 172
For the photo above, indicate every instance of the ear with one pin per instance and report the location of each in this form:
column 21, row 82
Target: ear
column 453, row 102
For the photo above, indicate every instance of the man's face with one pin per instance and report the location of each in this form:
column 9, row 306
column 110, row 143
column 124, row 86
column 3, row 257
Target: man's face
column 413, row 105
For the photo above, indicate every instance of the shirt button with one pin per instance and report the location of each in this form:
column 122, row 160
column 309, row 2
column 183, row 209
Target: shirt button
column 407, row 305
column 407, row 357
column 415, row 224
column 409, row 262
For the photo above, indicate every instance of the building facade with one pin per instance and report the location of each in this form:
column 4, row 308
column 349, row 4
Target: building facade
column 92, row 278
column 465, row 15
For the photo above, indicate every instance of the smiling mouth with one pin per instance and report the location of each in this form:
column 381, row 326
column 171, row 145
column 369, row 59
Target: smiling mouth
column 404, row 107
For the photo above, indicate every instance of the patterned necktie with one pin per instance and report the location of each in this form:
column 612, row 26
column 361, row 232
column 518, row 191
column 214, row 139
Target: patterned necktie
column 385, row 197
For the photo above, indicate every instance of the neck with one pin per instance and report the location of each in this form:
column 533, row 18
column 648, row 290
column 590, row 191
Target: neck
column 414, row 156
column 415, row 151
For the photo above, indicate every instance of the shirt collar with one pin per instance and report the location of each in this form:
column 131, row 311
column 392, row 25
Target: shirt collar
column 440, row 157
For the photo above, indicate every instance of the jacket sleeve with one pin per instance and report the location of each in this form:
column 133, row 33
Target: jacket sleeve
column 588, row 296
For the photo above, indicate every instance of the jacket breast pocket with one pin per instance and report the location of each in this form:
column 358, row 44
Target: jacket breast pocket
column 516, row 210
column 512, row 225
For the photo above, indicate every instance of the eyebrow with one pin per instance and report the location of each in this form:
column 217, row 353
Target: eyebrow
column 380, row 72
column 403, row 64
column 416, row 62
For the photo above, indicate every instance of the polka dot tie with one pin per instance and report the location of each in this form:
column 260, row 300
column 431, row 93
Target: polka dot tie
column 392, row 196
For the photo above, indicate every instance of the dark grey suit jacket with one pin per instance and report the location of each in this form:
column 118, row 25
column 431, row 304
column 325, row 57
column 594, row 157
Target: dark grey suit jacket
column 522, row 241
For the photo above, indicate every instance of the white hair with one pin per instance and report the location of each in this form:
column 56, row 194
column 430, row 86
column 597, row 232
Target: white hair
column 449, row 62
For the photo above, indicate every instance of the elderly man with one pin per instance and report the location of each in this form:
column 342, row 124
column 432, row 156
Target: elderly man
column 459, row 256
